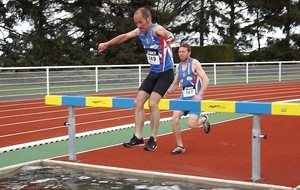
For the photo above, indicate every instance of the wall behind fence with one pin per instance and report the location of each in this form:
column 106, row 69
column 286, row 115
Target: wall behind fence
column 36, row 82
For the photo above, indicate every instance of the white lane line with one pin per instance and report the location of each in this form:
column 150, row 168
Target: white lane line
column 78, row 135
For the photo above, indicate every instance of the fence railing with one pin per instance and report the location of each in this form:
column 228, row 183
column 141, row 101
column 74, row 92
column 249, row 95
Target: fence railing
column 24, row 82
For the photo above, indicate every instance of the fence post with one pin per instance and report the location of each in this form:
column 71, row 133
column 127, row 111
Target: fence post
column 96, row 79
column 140, row 75
column 280, row 72
column 48, row 80
column 247, row 72
column 215, row 73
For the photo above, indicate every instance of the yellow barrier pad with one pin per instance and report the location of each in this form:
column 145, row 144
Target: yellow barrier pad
column 218, row 106
column 280, row 108
column 99, row 101
column 53, row 100
column 164, row 104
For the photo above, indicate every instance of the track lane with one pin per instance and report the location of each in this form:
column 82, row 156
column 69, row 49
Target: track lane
column 31, row 120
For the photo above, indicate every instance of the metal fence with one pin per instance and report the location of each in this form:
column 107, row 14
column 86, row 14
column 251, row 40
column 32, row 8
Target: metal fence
column 24, row 82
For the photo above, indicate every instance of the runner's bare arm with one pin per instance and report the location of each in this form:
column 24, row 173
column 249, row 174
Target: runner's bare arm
column 118, row 39
column 161, row 31
column 175, row 84
column 201, row 73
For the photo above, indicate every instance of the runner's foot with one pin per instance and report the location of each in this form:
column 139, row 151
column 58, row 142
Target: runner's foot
column 206, row 124
column 151, row 144
column 178, row 150
column 134, row 141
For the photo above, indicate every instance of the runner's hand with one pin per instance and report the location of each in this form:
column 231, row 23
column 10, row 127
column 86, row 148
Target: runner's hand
column 170, row 40
column 198, row 97
column 102, row 47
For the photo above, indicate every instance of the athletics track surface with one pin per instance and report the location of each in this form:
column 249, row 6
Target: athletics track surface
column 225, row 153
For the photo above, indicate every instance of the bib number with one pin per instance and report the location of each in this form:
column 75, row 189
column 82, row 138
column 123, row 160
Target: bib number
column 189, row 92
column 153, row 57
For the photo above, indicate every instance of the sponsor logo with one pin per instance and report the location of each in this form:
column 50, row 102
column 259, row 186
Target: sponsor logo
column 96, row 102
column 217, row 106
column 149, row 52
column 189, row 78
column 214, row 106
column 283, row 109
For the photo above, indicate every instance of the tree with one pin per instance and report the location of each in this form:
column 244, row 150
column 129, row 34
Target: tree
column 9, row 38
column 36, row 43
column 231, row 18
column 281, row 14
column 256, row 27
column 192, row 18
column 65, row 32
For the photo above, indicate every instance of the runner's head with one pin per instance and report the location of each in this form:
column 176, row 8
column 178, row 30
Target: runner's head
column 184, row 52
column 142, row 19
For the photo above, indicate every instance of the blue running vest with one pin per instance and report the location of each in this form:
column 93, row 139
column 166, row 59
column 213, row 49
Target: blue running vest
column 159, row 55
column 188, row 80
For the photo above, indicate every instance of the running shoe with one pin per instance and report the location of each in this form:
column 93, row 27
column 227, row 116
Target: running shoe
column 206, row 124
column 134, row 141
column 178, row 150
column 151, row 144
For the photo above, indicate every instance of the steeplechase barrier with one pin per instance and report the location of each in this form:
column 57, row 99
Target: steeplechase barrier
column 246, row 107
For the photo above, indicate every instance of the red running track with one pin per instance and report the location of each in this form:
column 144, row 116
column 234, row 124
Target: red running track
column 224, row 153
column 31, row 120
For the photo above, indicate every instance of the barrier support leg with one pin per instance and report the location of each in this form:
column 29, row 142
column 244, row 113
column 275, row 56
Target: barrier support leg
column 72, row 132
column 256, row 148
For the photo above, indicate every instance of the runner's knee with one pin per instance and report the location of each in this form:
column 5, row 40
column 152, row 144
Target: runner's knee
column 175, row 120
column 138, row 104
column 152, row 104
column 192, row 123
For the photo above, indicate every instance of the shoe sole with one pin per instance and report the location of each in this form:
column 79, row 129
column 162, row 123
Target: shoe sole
column 178, row 150
column 207, row 127
column 129, row 146
column 175, row 153
column 148, row 149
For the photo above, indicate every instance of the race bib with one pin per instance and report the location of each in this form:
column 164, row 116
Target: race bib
column 153, row 57
column 189, row 91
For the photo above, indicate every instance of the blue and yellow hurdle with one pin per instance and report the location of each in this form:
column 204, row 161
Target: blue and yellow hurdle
column 267, row 108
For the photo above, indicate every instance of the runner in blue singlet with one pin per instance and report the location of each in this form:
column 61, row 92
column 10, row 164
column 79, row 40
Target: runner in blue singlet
column 193, row 81
column 156, row 41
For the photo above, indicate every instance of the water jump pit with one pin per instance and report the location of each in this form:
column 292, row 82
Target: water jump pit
column 49, row 174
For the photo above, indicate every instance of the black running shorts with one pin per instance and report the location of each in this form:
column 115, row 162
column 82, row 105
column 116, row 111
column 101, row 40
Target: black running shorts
column 158, row 82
